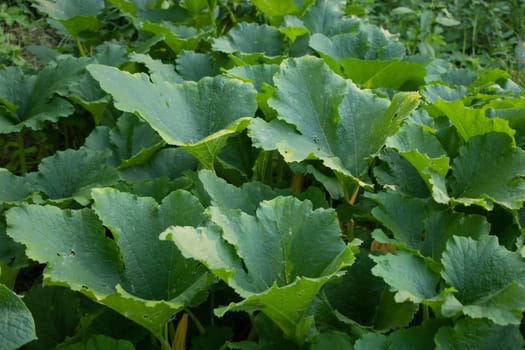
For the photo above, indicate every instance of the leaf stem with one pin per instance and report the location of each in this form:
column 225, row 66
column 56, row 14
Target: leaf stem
column 162, row 338
column 8, row 276
column 297, row 183
column 22, row 153
column 212, row 306
column 195, row 320
column 474, row 33
column 80, row 47
column 353, row 198
column 253, row 332
column 211, row 8
column 179, row 340
column 426, row 314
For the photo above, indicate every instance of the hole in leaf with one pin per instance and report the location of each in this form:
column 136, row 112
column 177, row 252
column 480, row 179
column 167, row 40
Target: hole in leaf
column 108, row 233
column 244, row 266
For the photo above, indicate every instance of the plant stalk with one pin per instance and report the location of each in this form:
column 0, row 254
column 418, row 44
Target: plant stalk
column 195, row 320
column 80, row 47
column 426, row 313
column 22, row 153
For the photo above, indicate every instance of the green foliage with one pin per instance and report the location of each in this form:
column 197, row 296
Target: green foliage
column 263, row 175
column 17, row 322
column 468, row 32
column 22, row 34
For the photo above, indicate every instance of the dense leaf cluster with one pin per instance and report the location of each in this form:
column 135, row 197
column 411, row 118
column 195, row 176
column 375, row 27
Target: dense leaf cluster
column 259, row 175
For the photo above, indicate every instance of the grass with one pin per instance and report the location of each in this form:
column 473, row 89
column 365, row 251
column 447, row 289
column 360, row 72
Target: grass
column 21, row 30
column 473, row 33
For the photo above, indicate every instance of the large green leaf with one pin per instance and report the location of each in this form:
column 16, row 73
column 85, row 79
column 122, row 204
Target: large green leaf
column 136, row 150
column 261, row 76
column 356, row 296
column 435, row 91
column 472, row 334
column 275, row 237
column 393, row 315
column 75, row 15
column 145, row 10
column 195, row 65
column 158, row 71
column 135, row 274
column 71, row 174
column 333, row 340
column 414, row 137
column 287, row 306
column 12, row 258
column 258, row 75
column 426, row 154
column 245, row 198
column 134, row 140
column 131, row 141
column 337, row 122
column 277, row 8
column 168, row 162
column 13, row 188
column 327, row 17
column 368, row 44
column 177, row 37
column 154, row 269
column 64, row 9
column 397, row 173
column 408, row 275
column 421, row 224
column 26, row 102
column 56, row 311
column 300, row 101
column 270, row 257
column 99, row 342
column 16, row 323
column 72, row 243
column 415, row 337
column 197, row 116
column 293, row 28
column 393, row 74
column 489, row 170
column 514, row 112
column 470, row 121
column 488, row 278
column 31, row 100
column 250, row 38
column 157, row 281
